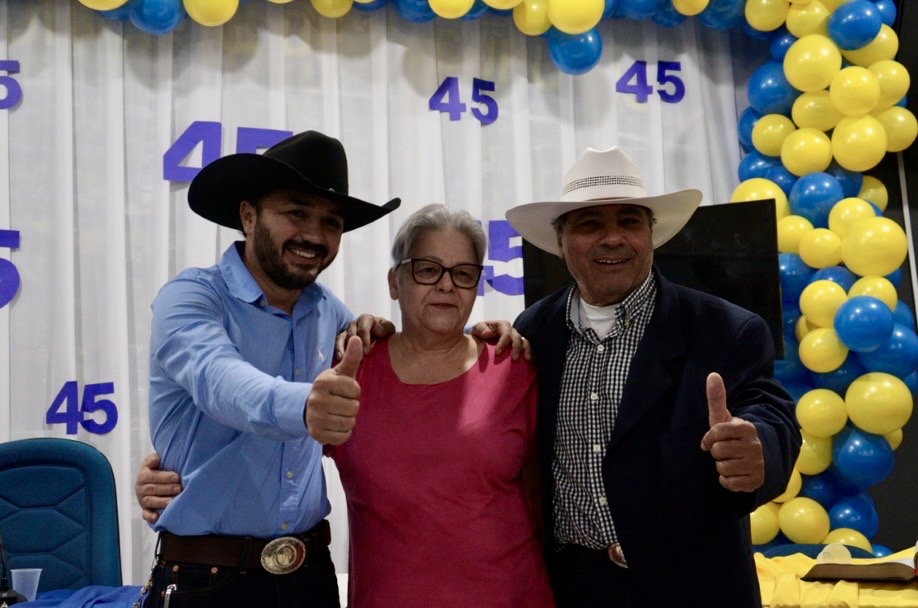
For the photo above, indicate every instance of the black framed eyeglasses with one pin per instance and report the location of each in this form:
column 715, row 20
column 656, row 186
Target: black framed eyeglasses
column 428, row 272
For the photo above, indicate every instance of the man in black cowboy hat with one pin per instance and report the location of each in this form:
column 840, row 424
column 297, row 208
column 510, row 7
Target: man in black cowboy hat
column 235, row 351
column 662, row 426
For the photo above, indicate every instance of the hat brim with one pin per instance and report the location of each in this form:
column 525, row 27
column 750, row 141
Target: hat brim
column 219, row 188
column 671, row 212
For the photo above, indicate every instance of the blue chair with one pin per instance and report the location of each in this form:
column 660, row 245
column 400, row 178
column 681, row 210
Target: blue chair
column 58, row 512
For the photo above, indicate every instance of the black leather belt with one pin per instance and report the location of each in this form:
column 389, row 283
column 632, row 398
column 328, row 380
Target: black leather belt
column 279, row 556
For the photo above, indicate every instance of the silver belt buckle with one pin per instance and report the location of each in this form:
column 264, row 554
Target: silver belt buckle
column 283, row 555
column 617, row 555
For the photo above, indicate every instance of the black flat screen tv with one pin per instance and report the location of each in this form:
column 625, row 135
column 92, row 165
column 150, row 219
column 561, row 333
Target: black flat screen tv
column 730, row 251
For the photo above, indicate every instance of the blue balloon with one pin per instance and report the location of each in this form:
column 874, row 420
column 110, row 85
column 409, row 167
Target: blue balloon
column 722, row 14
column 416, row 11
column 478, row 9
column 863, row 324
column 903, row 315
column 790, row 370
column 756, row 164
column 768, row 90
column 752, row 33
column 851, row 181
column 790, row 313
column 796, row 389
column 668, row 16
column 118, row 14
column 613, row 10
column 574, row 53
column 855, row 512
column 895, row 277
column 840, row 483
column 782, row 177
column 820, row 488
column 781, row 40
column 862, row 459
column 911, row 381
column 813, row 197
column 880, row 550
column 854, row 24
column 794, row 275
column 501, row 12
column 639, row 9
column 157, row 17
column 744, row 125
column 837, row 274
column 840, row 379
column 377, row 4
column 887, row 10
column 898, row 355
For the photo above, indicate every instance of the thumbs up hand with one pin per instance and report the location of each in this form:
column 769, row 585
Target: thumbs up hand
column 331, row 408
column 732, row 442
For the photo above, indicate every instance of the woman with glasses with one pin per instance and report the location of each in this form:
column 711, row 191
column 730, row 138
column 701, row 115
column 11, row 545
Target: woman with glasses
column 437, row 470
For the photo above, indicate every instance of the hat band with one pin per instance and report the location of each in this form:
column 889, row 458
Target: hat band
column 602, row 180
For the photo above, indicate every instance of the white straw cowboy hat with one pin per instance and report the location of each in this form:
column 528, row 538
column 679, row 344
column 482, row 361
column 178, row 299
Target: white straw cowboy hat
column 603, row 177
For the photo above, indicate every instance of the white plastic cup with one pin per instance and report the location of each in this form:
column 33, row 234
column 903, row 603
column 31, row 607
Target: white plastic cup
column 25, row 581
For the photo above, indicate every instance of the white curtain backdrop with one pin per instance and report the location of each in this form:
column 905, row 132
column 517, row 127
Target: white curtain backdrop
column 82, row 182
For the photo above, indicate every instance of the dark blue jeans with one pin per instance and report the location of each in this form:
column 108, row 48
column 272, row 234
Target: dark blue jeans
column 313, row 585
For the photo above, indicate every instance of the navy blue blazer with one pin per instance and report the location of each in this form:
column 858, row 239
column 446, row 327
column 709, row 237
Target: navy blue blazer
column 683, row 534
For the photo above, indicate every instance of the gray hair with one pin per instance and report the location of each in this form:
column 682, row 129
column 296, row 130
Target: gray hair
column 435, row 217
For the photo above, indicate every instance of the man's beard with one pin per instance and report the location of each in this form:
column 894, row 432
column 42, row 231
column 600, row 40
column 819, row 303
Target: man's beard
column 271, row 260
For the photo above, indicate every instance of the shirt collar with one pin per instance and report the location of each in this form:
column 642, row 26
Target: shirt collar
column 243, row 286
column 637, row 300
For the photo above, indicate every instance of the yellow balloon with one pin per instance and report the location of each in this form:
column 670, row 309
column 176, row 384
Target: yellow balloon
column 766, row 15
column 821, row 248
column 820, row 300
column 332, row 8
column 803, row 327
column 815, row 454
column 873, row 190
column 575, row 16
column 280, row 1
column 103, row 5
column 821, row 351
column 846, row 212
column 879, row 403
column 849, row 537
column 880, row 288
column 822, row 412
column 901, row 128
column 793, row 487
column 804, row 19
column 815, row 110
column 805, row 151
column 503, row 5
column 894, row 439
column 894, row 81
column 531, row 17
column 211, row 13
column 690, row 8
column 854, row 90
column 812, row 62
column 763, row 523
column 758, row 188
column 803, row 521
column 791, row 229
column 875, row 246
column 451, row 9
column 770, row 131
column 859, row 144
column 884, row 46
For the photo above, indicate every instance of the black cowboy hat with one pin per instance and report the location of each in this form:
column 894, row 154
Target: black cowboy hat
column 308, row 162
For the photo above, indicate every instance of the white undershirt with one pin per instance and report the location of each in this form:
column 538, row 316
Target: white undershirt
column 598, row 318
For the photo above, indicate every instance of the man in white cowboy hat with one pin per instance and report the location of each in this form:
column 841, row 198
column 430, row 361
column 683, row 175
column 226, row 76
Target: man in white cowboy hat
column 662, row 426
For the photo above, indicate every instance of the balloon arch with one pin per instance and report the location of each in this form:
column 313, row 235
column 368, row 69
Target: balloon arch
column 826, row 107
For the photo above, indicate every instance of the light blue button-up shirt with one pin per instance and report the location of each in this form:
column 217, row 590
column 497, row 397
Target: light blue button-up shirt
column 229, row 378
